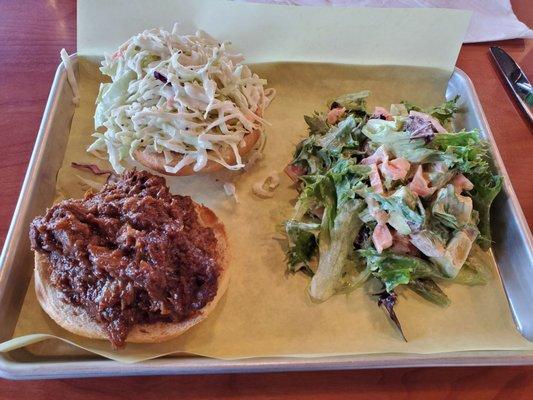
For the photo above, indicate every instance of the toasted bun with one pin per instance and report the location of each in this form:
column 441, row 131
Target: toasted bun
column 76, row 319
column 156, row 161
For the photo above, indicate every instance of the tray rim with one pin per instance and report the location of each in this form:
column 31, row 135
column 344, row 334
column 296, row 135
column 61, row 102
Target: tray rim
column 201, row 365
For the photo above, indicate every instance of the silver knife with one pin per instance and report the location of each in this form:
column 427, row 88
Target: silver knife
column 516, row 79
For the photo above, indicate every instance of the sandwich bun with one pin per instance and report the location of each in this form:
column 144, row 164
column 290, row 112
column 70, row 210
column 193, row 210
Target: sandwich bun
column 156, row 161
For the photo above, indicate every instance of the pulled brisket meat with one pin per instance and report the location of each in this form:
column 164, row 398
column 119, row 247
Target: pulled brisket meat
column 130, row 254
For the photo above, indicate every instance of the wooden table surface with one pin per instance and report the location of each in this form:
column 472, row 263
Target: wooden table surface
column 31, row 35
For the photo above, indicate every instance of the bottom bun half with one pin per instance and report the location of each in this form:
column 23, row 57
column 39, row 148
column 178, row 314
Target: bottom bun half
column 156, row 161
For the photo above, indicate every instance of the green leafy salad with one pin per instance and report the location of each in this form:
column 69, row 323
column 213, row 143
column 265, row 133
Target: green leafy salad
column 395, row 195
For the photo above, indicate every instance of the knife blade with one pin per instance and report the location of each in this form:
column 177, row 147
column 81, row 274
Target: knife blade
column 516, row 80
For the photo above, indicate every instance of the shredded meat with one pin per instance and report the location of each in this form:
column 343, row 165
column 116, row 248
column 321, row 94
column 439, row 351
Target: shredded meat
column 131, row 254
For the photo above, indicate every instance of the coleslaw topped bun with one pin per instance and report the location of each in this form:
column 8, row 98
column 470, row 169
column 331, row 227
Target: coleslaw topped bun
column 178, row 104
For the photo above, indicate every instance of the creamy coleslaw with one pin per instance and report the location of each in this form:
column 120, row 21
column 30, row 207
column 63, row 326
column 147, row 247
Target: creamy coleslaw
column 188, row 97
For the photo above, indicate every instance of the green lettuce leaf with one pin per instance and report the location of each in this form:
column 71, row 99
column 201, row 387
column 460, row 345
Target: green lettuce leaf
column 429, row 290
column 347, row 176
column 397, row 269
column 444, row 113
column 387, row 133
column 355, row 102
column 336, row 249
column 413, row 151
column 341, row 136
column 466, row 152
column 410, row 106
column 471, row 275
column 464, row 138
column 463, row 151
column 406, row 209
column 302, row 245
column 451, row 209
column 309, row 156
column 429, row 243
column 486, row 188
column 457, row 251
column 352, row 278
column 439, row 174
column 326, row 143
column 318, row 191
column 316, row 124
column 475, row 271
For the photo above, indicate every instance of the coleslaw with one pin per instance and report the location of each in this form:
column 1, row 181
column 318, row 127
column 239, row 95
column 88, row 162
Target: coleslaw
column 188, row 97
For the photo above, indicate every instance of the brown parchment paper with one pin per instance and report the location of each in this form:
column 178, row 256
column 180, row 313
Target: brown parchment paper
column 266, row 312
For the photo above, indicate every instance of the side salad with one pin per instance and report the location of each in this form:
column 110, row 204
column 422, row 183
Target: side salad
column 394, row 195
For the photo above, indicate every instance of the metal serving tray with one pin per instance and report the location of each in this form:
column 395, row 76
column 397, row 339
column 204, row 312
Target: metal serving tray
column 513, row 250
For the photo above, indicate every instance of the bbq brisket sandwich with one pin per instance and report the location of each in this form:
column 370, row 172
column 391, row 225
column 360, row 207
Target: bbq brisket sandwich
column 131, row 263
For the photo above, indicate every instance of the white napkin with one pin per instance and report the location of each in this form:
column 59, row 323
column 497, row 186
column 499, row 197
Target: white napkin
column 491, row 19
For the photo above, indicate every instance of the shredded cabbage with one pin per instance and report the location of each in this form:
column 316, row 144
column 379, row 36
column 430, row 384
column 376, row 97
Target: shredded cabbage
column 188, row 97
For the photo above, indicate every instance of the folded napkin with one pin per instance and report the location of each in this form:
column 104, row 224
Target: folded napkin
column 491, row 19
